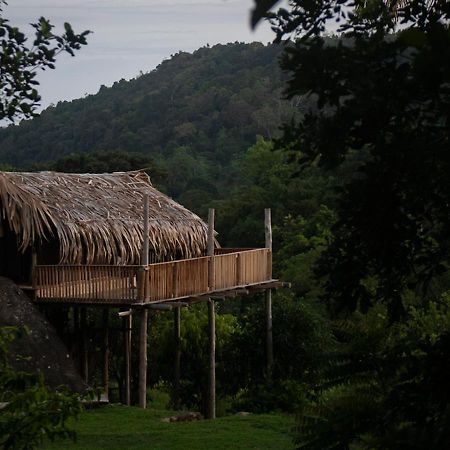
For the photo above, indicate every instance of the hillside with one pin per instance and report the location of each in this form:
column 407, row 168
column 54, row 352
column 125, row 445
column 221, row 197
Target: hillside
column 215, row 101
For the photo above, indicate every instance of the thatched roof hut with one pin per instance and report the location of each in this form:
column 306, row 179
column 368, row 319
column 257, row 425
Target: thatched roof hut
column 97, row 218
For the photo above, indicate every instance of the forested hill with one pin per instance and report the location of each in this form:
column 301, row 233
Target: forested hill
column 215, row 100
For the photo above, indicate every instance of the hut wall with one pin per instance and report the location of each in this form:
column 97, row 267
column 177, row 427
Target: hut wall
column 13, row 264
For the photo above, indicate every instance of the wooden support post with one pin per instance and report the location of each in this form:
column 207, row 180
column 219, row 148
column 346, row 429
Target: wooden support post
column 268, row 296
column 143, row 358
column 177, row 357
column 84, row 345
column 145, row 247
column 144, row 314
column 105, row 320
column 211, row 400
column 127, row 341
column 210, row 249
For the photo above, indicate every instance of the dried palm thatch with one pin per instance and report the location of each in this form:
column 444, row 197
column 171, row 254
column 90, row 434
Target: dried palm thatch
column 97, row 218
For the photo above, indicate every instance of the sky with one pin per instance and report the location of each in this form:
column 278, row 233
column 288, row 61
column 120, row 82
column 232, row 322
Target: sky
column 130, row 36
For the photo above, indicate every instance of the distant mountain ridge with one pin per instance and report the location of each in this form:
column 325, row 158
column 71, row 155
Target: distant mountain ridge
column 214, row 101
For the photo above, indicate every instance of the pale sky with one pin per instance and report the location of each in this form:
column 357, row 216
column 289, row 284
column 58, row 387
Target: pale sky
column 130, row 36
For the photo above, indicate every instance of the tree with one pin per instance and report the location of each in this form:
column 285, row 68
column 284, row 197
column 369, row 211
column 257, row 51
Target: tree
column 30, row 411
column 380, row 90
column 394, row 212
column 19, row 62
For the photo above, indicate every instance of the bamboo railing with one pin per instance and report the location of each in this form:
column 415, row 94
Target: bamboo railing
column 155, row 282
column 89, row 283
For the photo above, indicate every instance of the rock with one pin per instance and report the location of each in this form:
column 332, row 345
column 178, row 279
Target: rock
column 41, row 350
column 242, row 413
column 187, row 417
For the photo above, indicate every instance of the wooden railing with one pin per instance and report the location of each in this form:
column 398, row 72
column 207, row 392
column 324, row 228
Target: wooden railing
column 88, row 283
column 155, row 282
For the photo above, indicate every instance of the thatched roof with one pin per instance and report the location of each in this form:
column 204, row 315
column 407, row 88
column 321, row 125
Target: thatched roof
column 98, row 218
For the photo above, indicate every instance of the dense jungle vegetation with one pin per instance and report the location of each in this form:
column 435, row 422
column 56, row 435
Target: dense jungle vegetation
column 214, row 101
column 358, row 185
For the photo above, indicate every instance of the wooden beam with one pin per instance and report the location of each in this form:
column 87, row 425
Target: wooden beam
column 211, row 400
column 268, row 295
column 160, row 307
column 226, row 292
column 274, row 284
column 179, row 304
column 177, row 357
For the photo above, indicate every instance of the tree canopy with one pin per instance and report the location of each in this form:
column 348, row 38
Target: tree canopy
column 19, row 62
column 377, row 95
column 213, row 101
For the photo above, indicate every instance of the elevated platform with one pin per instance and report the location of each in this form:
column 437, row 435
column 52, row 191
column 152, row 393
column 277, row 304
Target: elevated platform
column 229, row 272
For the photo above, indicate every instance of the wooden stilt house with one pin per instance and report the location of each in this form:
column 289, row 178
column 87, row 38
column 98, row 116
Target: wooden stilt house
column 90, row 239
column 79, row 238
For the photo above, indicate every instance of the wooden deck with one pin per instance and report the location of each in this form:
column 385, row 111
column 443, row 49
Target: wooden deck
column 228, row 269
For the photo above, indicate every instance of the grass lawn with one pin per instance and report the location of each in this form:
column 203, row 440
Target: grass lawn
column 119, row 427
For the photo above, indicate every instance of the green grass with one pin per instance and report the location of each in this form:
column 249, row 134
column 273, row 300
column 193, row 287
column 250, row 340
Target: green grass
column 119, row 427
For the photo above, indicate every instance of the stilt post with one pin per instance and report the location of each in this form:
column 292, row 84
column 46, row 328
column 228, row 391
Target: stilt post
column 127, row 338
column 105, row 320
column 144, row 314
column 177, row 359
column 268, row 296
column 211, row 401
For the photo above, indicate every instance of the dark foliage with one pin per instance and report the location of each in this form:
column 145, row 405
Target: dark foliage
column 385, row 388
column 387, row 95
column 379, row 91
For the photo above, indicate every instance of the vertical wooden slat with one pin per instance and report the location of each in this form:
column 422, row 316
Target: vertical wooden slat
column 238, row 269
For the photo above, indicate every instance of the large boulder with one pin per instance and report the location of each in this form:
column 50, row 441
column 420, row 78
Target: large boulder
column 41, row 350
